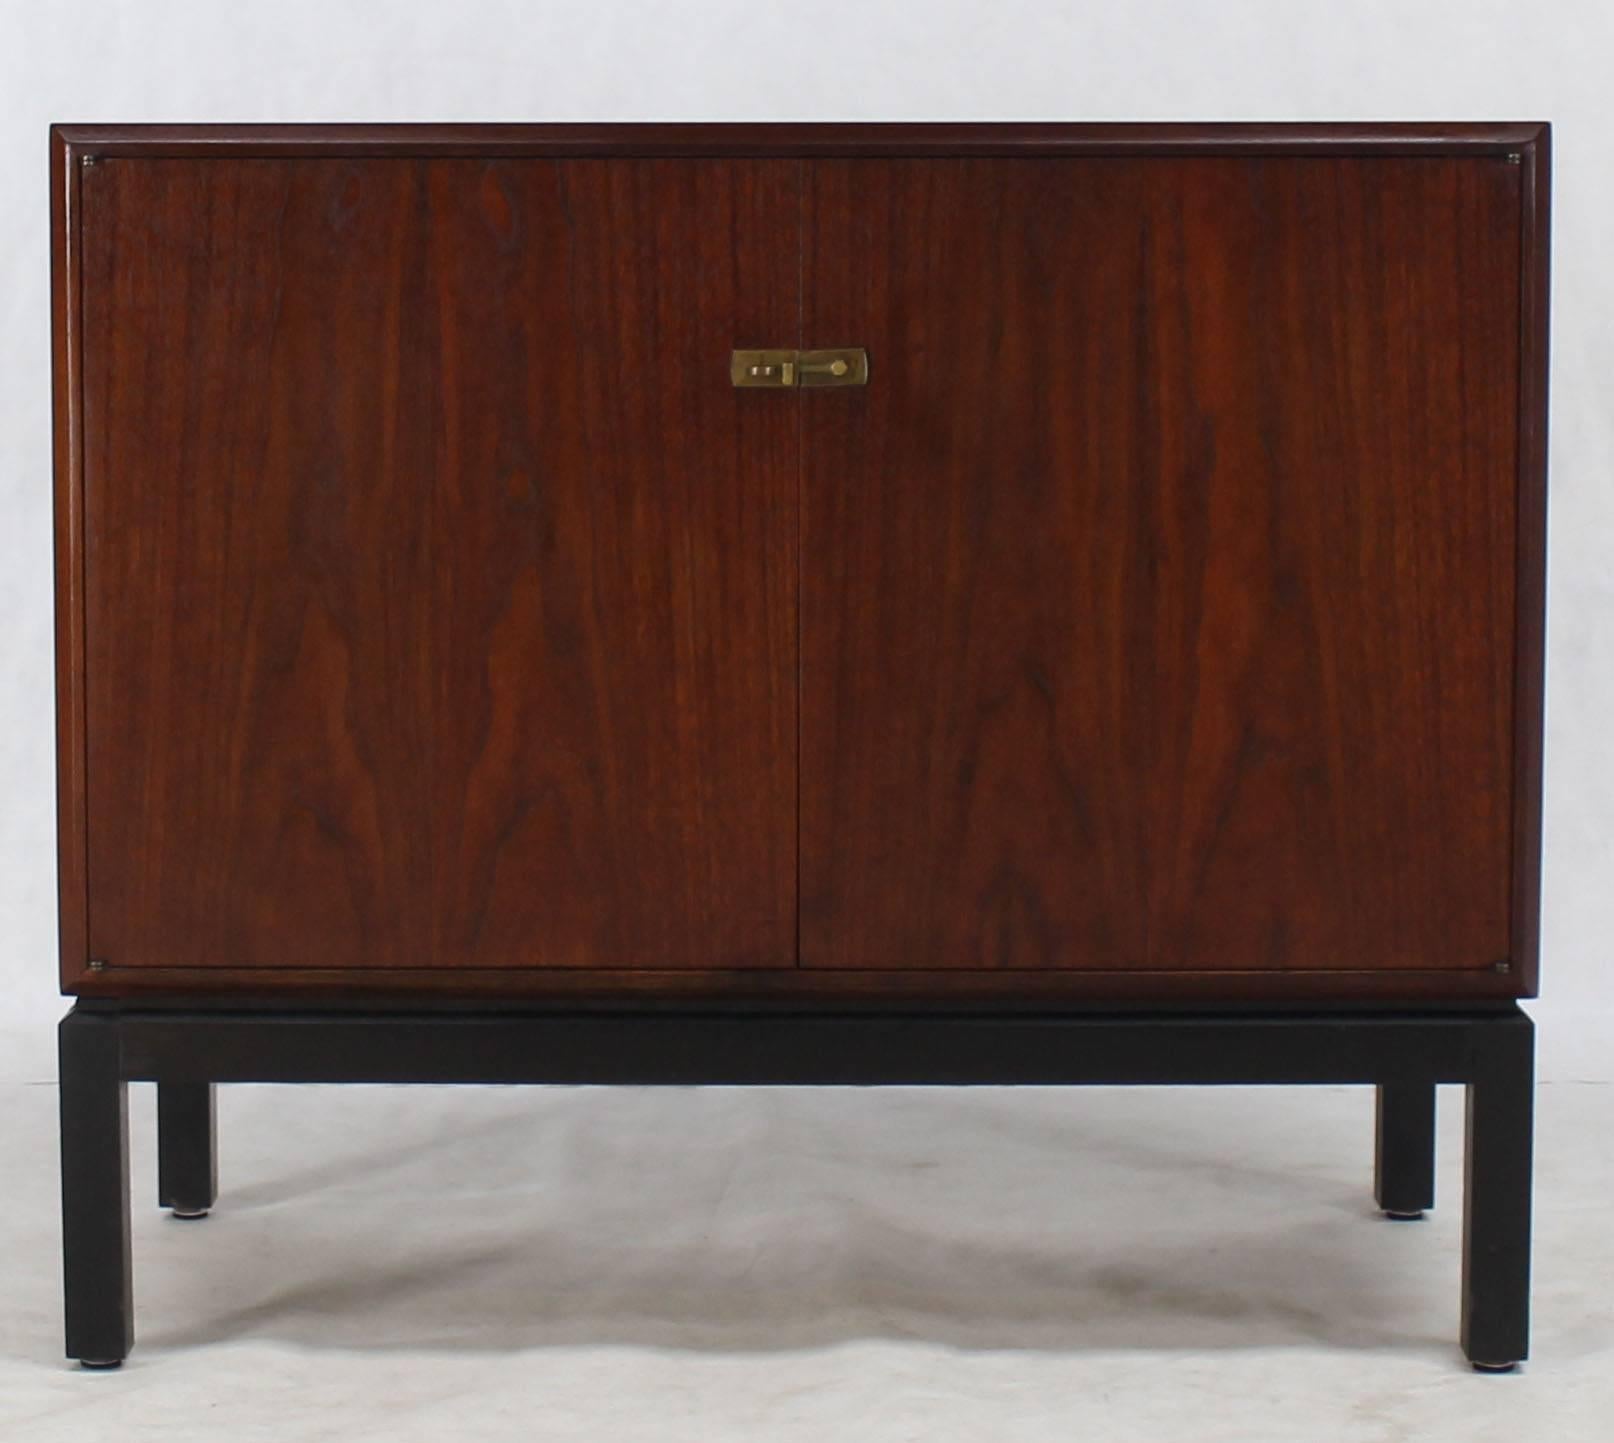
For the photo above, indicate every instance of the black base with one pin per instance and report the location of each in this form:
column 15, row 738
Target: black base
column 187, row 1166
column 187, row 1051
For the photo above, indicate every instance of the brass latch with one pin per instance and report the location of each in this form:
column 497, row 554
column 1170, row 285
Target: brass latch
column 844, row 366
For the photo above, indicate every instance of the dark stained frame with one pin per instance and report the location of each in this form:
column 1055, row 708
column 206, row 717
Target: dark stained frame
column 71, row 146
column 103, row 1047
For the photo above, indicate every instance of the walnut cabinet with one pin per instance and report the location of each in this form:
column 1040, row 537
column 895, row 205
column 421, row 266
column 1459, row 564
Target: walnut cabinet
column 642, row 574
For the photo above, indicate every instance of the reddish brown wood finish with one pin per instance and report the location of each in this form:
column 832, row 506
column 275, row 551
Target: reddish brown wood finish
column 72, row 827
column 615, row 531
column 948, row 140
column 1530, row 589
column 1159, row 593
column 472, row 926
column 440, row 587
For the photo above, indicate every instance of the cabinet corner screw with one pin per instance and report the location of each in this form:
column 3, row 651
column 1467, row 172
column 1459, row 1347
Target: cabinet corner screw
column 1502, row 967
column 97, row 965
column 1514, row 158
column 87, row 161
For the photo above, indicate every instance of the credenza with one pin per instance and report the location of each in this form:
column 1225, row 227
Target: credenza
column 800, row 604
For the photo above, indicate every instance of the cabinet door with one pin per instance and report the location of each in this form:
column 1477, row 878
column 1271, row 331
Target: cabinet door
column 1158, row 592
column 440, row 592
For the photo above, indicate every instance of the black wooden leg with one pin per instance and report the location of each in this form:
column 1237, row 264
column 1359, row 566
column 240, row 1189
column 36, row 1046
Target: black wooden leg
column 1404, row 1166
column 95, row 1192
column 1496, row 1202
column 187, row 1150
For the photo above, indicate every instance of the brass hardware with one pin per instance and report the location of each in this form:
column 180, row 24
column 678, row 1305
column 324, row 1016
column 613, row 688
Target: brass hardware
column 843, row 366
column 763, row 368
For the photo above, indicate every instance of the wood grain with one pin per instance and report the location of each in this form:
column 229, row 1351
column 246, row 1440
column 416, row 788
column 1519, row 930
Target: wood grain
column 440, row 600
column 1158, row 593
column 615, row 748
column 340, row 468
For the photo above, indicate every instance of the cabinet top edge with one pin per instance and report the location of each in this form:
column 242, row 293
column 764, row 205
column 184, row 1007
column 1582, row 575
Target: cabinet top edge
column 775, row 139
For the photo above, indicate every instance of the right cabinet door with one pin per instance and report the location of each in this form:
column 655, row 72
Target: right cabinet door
column 1158, row 592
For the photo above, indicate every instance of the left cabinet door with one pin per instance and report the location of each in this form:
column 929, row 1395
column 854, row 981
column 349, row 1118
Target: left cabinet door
column 439, row 591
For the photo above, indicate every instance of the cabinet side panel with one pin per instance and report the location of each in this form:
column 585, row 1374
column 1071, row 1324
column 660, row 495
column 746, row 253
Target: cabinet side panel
column 68, row 476
column 1160, row 590
column 1536, row 263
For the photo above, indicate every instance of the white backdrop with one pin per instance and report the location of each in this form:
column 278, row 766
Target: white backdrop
column 826, row 59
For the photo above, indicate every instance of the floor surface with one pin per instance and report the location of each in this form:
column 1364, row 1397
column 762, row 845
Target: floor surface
column 834, row 1266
